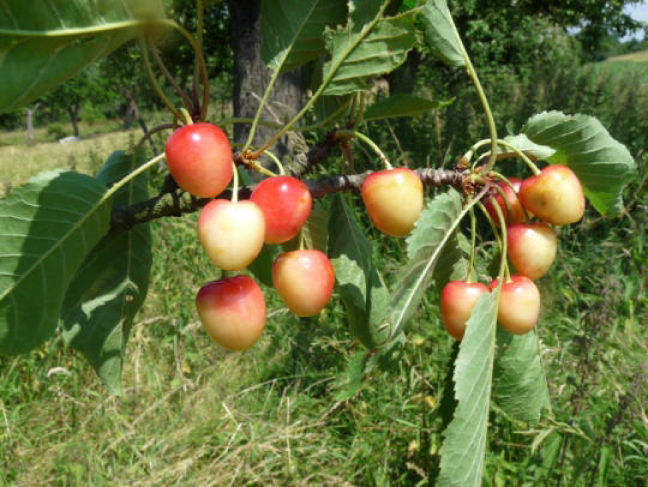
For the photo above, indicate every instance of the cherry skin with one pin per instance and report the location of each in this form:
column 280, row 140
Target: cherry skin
column 231, row 233
column 519, row 305
column 233, row 311
column 286, row 203
column 199, row 157
column 555, row 195
column 517, row 212
column 394, row 200
column 457, row 302
column 531, row 248
column 304, row 279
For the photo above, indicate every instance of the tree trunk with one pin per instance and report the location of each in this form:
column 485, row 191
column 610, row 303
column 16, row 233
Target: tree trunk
column 30, row 123
column 251, row 77
column 134, row 109
column 73, row 112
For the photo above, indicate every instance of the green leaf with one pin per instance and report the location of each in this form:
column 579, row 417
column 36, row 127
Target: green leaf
column 448, row 404
column 47, row 227
column 369, row 45
column 111, row 285
column 435, row 227
column 361, row 287
column 453, row 262
column 315, row 231
column 355, row 376
column 535, row 152
column 520, row 385
column 262, row 265
column 441, row 33
column 603, row 165
column 464, row 446
column 293, row 30
column 400, row 105
column 44, row 43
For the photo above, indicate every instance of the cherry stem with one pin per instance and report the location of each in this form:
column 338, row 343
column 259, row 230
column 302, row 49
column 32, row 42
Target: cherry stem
column 302, row 240
column 277, row 162
column 503, row 264
column 200, row 28
column 201, row 63
column 156, row 86
column 501, row 177
column 492, row 224
column 473, row 240
column 150, row 133
column 360, row 136
column 186, row 117
column 170, row 79
column 521, row 155
column 235, row 183
column 503, row 155
column 504, row 199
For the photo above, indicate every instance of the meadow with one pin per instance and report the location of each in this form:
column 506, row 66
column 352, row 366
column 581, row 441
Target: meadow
column 192, row 414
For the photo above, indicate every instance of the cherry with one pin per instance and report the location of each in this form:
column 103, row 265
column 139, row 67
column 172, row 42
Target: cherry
column 233, row 311
column 394, row 200
column 457, row 302
column 231, row 232
column 286, row 203
column 304, row 279
column 555, row 195
column 519, row 305
column 199, row 157
column 531, row 248
column 517, row 212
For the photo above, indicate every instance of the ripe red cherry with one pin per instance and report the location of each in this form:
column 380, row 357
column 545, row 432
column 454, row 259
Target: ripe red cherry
column 519, row 305
column 555, row 195
column 286, row 203
column 516, row 214
column 233, row 311
column 199, row 157
column 394, row 200
column 531, row 248
column 304, row 279
column 231, row 233
column 457, row 302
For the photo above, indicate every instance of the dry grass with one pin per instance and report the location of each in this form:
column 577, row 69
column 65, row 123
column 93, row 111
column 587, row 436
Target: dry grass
column 637, row 57
column 19, row 162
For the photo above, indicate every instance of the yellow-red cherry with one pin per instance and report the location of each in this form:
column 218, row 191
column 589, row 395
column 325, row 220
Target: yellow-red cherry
column 233, row 311
column 199, row 157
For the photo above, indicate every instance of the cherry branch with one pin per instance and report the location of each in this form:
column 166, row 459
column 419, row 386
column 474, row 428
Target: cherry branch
column 177, row 202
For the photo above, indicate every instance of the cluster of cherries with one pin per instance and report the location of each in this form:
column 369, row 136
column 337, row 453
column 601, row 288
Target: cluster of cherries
column 232, row 233
column 554, row 196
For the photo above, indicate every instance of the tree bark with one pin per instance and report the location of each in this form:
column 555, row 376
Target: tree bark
column 30, row 123
column 251, row 77
column 133, row 108
column 73, row 112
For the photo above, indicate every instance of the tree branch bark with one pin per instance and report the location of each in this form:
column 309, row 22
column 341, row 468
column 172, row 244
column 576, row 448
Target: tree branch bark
column 177, row 202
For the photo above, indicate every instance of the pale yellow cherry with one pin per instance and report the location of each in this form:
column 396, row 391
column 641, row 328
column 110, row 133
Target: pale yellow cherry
column 394, row 200
column 231, row 232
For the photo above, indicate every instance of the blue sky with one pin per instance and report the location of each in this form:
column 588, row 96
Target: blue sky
column 639, row 12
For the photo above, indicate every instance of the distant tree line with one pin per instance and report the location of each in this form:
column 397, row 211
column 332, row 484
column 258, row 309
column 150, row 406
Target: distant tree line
column 500, row 36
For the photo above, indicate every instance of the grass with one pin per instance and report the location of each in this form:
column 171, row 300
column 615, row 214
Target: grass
column 192, row 414
column 636, row 57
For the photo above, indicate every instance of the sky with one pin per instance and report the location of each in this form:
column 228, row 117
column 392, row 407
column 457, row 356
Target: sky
column 639, row 12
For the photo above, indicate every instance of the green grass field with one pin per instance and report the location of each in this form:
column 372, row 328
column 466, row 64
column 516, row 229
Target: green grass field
column 192, row 414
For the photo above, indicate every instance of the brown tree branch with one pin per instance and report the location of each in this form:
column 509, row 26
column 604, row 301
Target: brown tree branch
column 177, row 202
